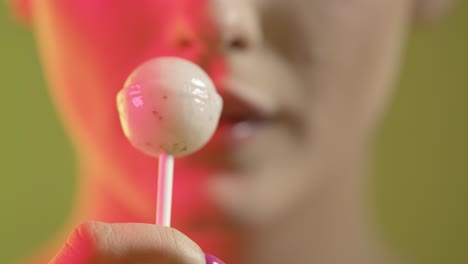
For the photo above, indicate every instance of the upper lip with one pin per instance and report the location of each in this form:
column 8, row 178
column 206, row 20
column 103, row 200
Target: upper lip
column 237, row 109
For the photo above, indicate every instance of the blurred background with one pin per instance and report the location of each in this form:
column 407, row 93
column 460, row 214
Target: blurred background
column 420, row 166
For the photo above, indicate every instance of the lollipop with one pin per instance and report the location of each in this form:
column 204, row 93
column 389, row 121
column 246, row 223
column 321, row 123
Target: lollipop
column 168, row 107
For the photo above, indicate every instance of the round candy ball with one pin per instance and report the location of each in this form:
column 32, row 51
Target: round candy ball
column 169, row 105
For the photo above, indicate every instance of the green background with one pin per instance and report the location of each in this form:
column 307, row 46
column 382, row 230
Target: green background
column 421, row 166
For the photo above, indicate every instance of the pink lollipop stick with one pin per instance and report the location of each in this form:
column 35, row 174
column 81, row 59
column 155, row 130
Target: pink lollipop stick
column 164, row 196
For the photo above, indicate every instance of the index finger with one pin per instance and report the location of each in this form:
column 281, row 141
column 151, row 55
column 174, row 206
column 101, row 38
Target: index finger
column 100, row 243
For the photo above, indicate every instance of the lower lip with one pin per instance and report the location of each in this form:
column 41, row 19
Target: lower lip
column 228, row 138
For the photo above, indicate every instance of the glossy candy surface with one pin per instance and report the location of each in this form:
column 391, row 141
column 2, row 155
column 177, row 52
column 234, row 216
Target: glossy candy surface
column 169, row 105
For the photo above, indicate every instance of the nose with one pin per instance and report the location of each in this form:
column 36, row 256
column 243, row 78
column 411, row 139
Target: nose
column 185, row 40
column 238, row 24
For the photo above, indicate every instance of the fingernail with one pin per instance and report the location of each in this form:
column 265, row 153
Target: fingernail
column 210, row 259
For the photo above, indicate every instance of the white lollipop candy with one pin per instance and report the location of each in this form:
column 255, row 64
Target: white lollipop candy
column 168, row 107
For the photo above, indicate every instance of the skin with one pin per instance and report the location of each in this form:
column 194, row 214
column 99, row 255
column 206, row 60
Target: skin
column 291, row 190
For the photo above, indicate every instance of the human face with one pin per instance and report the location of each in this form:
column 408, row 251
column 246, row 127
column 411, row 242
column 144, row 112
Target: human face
column 321, row 71
column 303, row 83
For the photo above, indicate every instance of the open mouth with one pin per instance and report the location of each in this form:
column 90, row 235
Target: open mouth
column 242, row 116
column 240, row 120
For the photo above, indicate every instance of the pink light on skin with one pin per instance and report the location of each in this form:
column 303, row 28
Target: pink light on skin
column 111, row 43
column 88, row 50
column 22, row 11
column 83, row 250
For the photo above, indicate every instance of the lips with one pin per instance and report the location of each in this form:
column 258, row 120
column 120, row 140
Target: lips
column 237, row 109
column 240, row 122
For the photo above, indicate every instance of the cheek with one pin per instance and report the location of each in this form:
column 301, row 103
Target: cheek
column 89, row 47
column 112, row 37
column 357, row 57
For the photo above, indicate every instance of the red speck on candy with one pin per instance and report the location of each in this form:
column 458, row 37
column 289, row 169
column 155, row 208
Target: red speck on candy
column 165, row 97
column 154, row 112
column 160, row 118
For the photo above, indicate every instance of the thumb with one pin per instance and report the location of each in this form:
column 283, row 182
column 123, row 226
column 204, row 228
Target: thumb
column 100, row 243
